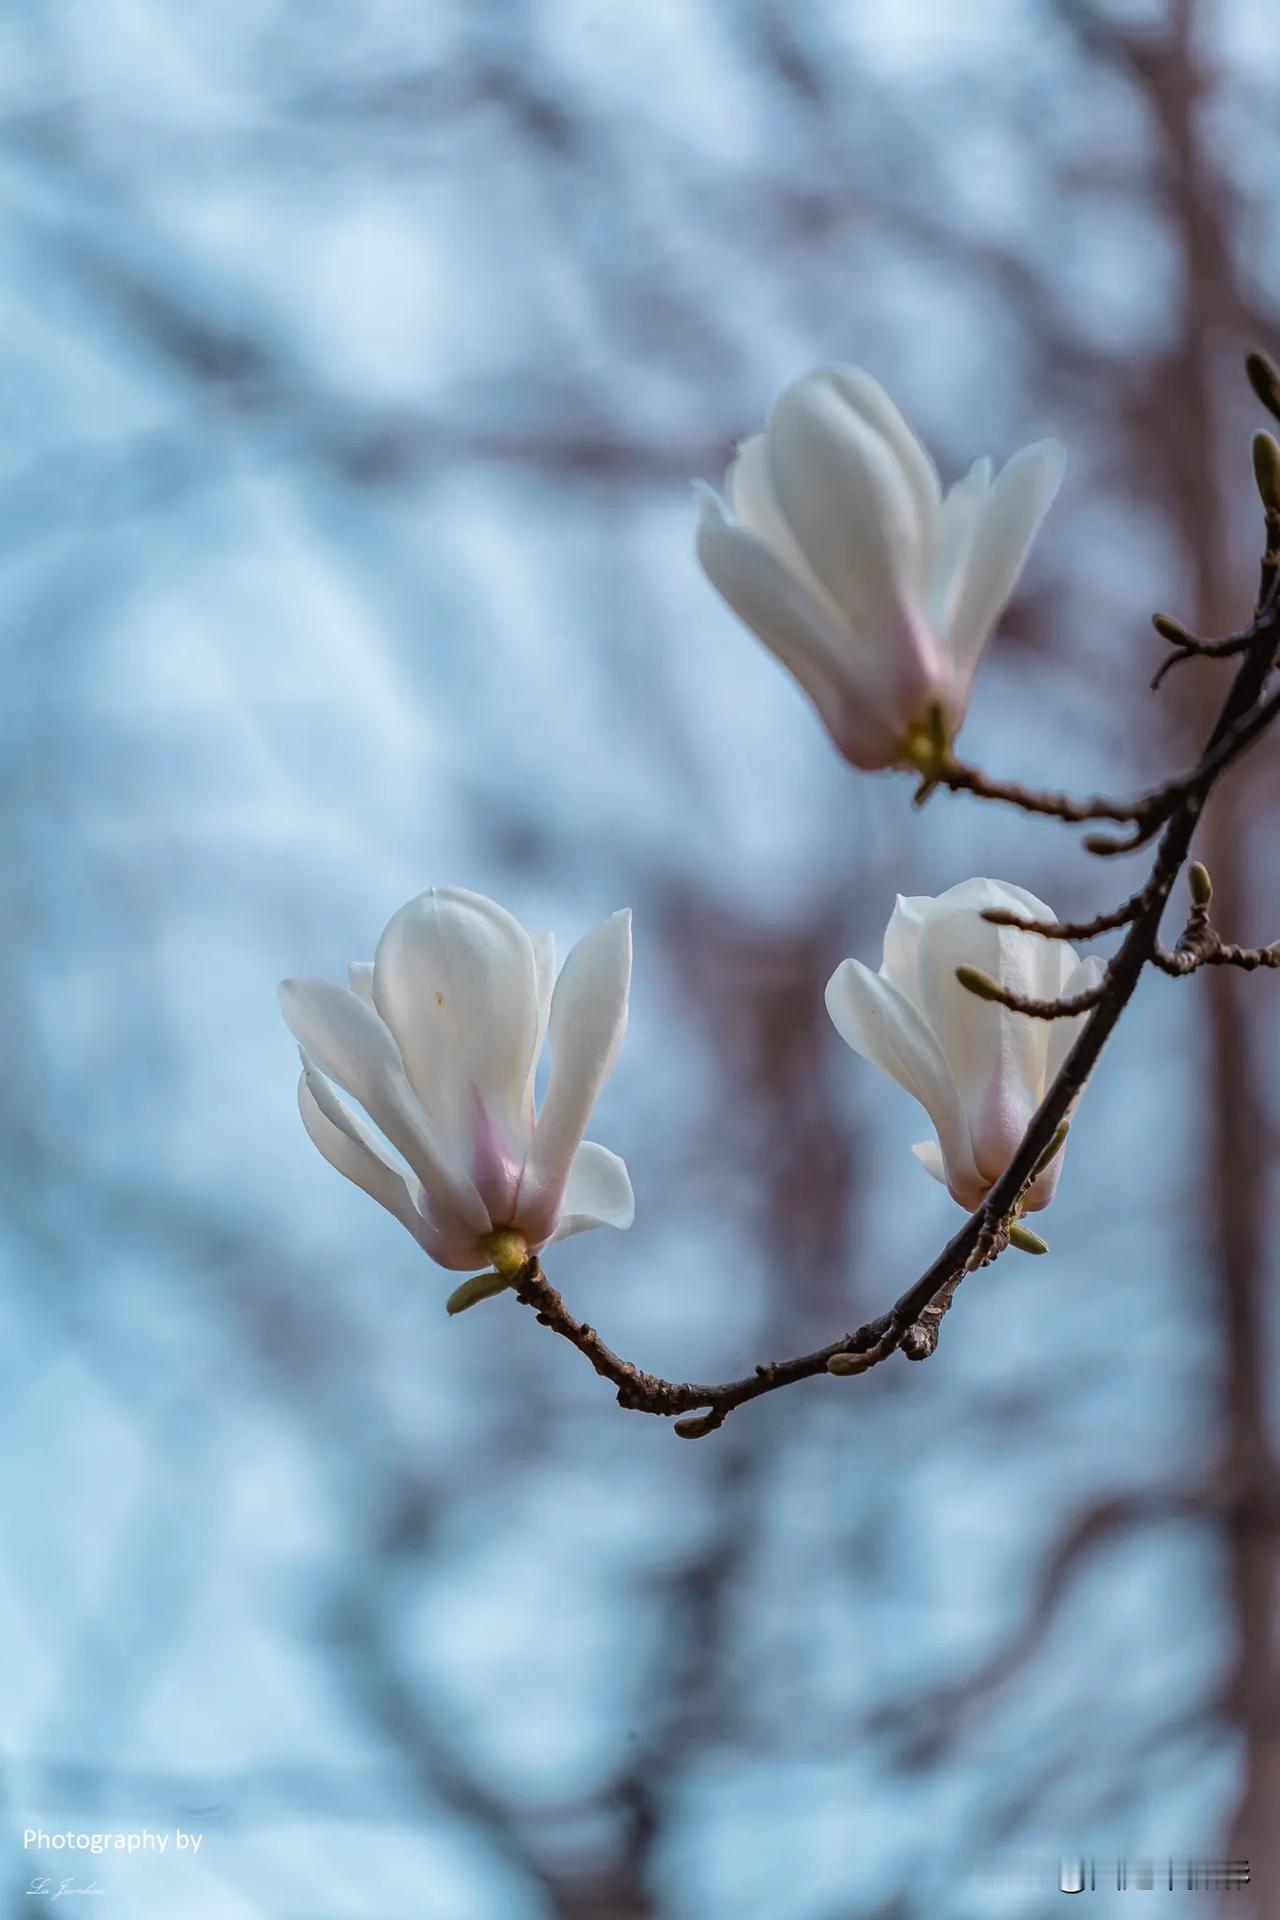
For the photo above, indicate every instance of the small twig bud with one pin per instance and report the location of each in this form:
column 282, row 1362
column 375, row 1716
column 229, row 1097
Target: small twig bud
column 1266, row 470
column 1200, row 884
column 844, row 1364
column 696, row 1426
column 979, row 983
column 482, row 1286
column 1052, row 1151
column 1026, row 1241
column 1173, row 631
column 1264, row 380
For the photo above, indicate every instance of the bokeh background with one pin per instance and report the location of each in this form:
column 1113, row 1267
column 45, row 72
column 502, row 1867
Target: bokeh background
column 358, row 362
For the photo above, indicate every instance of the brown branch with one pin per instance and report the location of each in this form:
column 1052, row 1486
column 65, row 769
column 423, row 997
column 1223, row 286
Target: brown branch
column 912, row 1321
column 1065, row 1007
column 1071, row 929
column 1201, row 945
column 1148, row 813
column 1223, row 750
column 1189, row 648
column 1180, row 961
column 958, row 777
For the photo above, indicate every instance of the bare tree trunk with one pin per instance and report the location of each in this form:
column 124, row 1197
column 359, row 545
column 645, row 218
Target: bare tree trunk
column 1237, row 1111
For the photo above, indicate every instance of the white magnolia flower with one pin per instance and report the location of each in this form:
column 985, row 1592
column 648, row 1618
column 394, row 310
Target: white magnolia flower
column 978, row 1069
column 840, row 551
column 438, row 1039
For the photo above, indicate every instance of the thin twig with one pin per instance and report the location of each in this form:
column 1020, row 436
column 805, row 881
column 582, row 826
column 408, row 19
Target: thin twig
column 1238, row 738
column 1071, row 929
column 1063, row 1008
column 1148, row 813
column 1189, row 649
column 1180, row 961
column 958, row 777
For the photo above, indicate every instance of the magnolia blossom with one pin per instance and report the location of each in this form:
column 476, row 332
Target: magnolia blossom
column 438, row 1040
column 978, row 1069
column 840, row 550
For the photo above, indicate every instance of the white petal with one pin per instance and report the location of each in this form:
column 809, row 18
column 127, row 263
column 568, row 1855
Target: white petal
column 752, row 502
column 455, row 980
column 881, row 1024
column 598, row 1192
column 957, row 523
column 869, row 399
column 1042, row 957
column 544, row 975
column 929, row 1154
column 351, row 1044
column 1015, row 506
column 902, row 945
column 997, row 1056
column 360, row 980
column 588, row 1021
column 844, row 496
column 776, row 605
column 350, row 1146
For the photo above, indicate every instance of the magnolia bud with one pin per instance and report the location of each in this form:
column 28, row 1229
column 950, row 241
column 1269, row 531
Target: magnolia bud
column 1026, row 1241
column 1266, row 470
column 1053, row 1149
column 697, row 1426
column 976, row 981
column 1200, row 884
column 1264, row 380
column 1172, row 630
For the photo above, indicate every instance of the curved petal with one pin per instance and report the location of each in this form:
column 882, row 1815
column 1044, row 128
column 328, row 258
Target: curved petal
column 597, row 1193
column 877, row 1021
column 929, row 1154
column 454, row 978
column 752, row 502
column 869, row 398
column 797, row 630
column 351, row 1045
column 350, row 1146
column 845, row 498
column 957, row 523
column 544, row 977
column 1014, row 508
column 360, row 980
column 902, row 944
column 997, row 1056
column 975, row 897
column 587, row 1023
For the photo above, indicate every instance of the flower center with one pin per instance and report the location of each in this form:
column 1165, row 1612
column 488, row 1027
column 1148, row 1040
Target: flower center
column 508, row 1251
column 926, row 745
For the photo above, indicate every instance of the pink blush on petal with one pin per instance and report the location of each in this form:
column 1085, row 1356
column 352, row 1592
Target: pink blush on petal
column 494, row 1173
